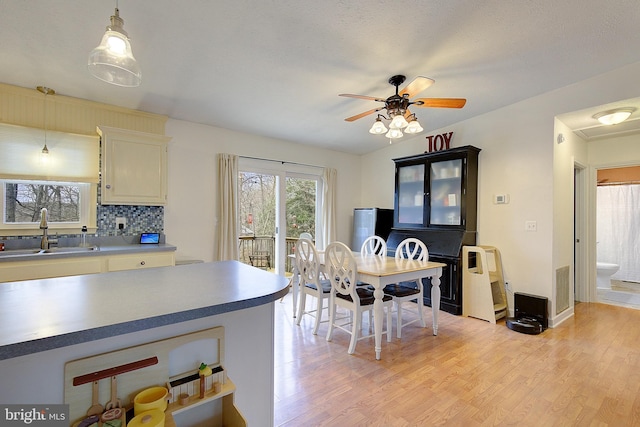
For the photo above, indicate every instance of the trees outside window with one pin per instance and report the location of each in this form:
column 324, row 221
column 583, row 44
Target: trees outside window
column 23, row 202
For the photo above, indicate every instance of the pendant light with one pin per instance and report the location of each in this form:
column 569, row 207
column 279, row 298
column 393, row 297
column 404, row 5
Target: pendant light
column 44, row 154
column 378, row 127
column 112, row 61
column 413, row 126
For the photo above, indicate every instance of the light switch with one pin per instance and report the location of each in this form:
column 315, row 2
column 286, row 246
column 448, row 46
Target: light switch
column 501, row 199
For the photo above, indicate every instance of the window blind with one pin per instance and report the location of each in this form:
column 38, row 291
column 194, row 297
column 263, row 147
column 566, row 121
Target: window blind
column 71, row 158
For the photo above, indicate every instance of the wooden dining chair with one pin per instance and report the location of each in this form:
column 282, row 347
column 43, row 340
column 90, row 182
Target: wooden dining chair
column 312, row 282
column 341, row 270
column 410, row 248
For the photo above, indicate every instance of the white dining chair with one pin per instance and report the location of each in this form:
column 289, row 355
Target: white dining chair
column 341, row 270
column 312, row 282
column 374, row 245
column 410, row 248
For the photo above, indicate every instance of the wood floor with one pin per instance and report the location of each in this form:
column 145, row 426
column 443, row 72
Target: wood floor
column 586, row 372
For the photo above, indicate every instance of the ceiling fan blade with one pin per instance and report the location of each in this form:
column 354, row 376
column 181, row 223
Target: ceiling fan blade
column 416, row 86
column 370, row 98
column 439, row 102
column 361, row 115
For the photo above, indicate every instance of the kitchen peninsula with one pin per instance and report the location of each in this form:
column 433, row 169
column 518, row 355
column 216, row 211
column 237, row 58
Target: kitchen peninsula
column 49, row 322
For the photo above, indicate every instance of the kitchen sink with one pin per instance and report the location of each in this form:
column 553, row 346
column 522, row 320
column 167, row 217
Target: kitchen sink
column 67, row 250
column 22, row 252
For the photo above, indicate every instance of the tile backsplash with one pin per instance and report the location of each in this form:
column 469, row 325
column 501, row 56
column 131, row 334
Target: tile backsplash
column 139, row 219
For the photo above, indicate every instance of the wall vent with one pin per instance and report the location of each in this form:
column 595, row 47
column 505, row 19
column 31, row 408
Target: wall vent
column 562, row 289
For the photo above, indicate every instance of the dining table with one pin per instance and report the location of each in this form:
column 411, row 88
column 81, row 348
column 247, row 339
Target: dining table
column 379, row 271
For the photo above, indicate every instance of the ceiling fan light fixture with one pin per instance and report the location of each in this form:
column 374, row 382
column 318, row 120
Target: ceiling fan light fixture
column 394, row 133
column 112, row 61
column 398, row 122
column 413, row 127
column 378, row 127
column 615, row 116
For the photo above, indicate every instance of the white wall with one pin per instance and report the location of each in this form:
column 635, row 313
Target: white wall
column 191, row 207
column 517, row 158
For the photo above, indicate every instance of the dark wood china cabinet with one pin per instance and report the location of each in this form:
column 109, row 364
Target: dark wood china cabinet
column 436, row 202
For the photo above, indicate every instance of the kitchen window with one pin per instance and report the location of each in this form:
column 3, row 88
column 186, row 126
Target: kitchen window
column 65, row 181
column 68, row 204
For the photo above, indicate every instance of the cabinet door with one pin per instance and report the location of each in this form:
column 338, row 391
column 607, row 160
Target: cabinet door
column 134, row 168
column 410, row 195
column 445, row 180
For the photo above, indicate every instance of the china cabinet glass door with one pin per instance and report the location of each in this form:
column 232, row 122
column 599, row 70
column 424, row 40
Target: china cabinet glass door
column 446, row 184
column 411, row 195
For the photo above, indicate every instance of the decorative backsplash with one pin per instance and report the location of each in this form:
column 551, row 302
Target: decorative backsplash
column 139, row 219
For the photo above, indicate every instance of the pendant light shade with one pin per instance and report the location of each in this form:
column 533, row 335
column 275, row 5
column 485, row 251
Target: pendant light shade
column 378, row 127
column 413, row 127
column 112, row 61
column 398, row 122
column 394, row 133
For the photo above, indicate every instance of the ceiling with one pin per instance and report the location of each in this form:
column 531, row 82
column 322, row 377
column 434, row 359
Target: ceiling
column 275, row 68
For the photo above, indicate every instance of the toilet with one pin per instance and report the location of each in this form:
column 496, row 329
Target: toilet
column 604, row 271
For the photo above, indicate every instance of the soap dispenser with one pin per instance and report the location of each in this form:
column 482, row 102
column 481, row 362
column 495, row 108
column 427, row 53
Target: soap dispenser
column 83, row 243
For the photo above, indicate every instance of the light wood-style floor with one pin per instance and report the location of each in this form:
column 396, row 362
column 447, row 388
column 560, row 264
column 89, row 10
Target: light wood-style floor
column 586, row 372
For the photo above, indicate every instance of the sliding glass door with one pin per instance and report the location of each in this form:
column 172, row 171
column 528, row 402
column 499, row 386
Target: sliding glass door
column 272, row 199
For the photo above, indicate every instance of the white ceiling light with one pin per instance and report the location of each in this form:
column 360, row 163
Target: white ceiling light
column 398, row 122
column 613, row 117
column 413, row 126
column 112, row 61
column 378, row 127
column 394, row 133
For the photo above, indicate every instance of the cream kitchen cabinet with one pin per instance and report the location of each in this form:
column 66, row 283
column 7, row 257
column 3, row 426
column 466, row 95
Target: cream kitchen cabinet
column 140, row 260
column 134, row 167
column 42, row 268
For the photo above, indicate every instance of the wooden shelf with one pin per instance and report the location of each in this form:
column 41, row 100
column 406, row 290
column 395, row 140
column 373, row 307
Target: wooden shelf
column 231, row 415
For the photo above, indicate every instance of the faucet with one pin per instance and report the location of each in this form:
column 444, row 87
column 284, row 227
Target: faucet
column 46, row 242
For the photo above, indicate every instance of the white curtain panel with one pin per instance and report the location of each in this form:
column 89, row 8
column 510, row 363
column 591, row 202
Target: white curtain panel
column 330, row 183
column 618, row 229
column 226, row 245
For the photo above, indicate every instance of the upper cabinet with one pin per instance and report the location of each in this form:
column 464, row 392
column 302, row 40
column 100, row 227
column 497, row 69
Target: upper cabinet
column 437, row 190
column 134, row 167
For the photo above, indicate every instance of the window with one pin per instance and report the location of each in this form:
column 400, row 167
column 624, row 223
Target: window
column 66, row 184
column 68, row 204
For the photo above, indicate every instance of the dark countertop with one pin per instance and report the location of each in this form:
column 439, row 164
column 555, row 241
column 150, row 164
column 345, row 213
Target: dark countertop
column 39, row 315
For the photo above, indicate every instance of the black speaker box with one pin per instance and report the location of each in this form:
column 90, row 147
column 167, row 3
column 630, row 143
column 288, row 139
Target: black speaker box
column 531, row 307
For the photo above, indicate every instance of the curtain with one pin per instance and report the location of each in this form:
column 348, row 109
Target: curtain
column 226, row 245
column 618, row 229
column 329, row 185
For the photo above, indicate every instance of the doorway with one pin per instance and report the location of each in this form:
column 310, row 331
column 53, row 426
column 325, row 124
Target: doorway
column 277, row 202
column 617, row 237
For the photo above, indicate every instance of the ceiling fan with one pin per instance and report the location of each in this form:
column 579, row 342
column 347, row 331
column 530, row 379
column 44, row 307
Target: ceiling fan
column 397, row 106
